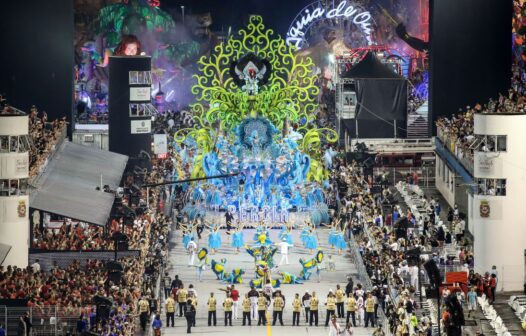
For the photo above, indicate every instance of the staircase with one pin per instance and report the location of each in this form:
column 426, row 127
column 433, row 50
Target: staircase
column 418, row 123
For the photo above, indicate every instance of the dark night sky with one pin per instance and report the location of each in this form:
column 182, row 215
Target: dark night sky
column 276, row 14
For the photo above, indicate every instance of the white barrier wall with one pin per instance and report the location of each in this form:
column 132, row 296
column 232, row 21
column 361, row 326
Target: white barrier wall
column 499, row 228
column 445, row 181
column 14, row 200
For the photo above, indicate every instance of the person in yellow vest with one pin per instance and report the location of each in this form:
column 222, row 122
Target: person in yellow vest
column 331, row 307
column 314, row 302
column 277, row 312
column 296, row 310
column 228, row 304
column 262, row 309
column 246, row 305
column 340, row 298
column 182, row 297
column 369, row 310
column 192, row 301
column 170, row 311
column 212, row 306
column 144, row 310
column 351, row 309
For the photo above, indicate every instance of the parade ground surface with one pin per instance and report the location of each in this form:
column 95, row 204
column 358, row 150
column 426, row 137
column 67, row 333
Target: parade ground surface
column 178, row 264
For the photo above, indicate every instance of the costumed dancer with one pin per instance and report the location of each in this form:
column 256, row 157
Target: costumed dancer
column 311, row 241
column 339, row 241
column 237, row 238
column 214, row 238
column 202, row 256
column 286, row 234
column 188, row 233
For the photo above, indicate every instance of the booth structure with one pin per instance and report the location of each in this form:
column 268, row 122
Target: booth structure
column 371, row 101
column 130, row 107
column 496, row 219
column 14, row 180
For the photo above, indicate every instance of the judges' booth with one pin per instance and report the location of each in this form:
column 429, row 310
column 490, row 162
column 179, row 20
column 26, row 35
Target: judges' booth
column 130, row 107
column 371, row 101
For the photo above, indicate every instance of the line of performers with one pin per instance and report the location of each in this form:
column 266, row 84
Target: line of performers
column 196, row 229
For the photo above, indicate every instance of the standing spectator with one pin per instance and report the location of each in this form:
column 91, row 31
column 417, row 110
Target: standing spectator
column 472, row 300
column 36, row 266
column 227, row 304
column 234, row 294
column 277, row 312
column 296, row 310
column 313, row 318
column 493, row 287
column 2, row 330
column 157, row 324
column 170, row 311
column 167, row 285
column 212, row 308
column 190, row 317
column 82, row 326
column 246, row 305
column 305, row 301
column 340, row 297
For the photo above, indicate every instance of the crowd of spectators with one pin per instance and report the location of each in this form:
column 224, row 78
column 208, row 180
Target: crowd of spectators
column 79, row 236
column 385, row 236
column 44, row 136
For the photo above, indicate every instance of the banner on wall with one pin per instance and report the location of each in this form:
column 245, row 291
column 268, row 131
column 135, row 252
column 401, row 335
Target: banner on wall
column 487, row 165
column 487, row 208
column 141, row 126
column 140, row 94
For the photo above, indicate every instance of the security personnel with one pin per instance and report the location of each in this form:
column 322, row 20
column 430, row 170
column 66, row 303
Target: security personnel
column 144, row 309
column 170, row 311
column 212, row 304
column 340, row 298
column 246, row 305
column 314, row 302
column 182, row 297
column 331, row 307
column 296, row 310
column 262, row 309
column 228, row 304
column 351, row 309
column 369, row 310
column 192, row 300
column 277, row 312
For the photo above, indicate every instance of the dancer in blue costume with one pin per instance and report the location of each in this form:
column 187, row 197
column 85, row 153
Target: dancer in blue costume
column 311, row 240
column 214, row 238
column 262, row 235
column 304, row 233
column 333, row 233
column 286, row 233
column 238, row 240
column 340, row 242
column 188, row 232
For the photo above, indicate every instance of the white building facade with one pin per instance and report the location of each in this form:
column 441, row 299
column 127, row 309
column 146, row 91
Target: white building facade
column 496, row 208
column 14, row 178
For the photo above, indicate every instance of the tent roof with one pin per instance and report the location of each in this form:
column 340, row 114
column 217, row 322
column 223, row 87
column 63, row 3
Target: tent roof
column 67, row 185
column 371, row 67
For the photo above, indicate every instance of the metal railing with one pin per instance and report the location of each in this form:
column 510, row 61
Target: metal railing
column 465, row 157
column 45, row 320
